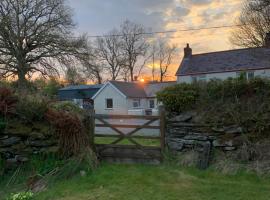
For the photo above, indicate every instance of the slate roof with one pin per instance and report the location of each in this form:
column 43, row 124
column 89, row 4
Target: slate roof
column 81, row 87
column 130, row 89
column 141, row 90
column 78, row 92
column 224, row 61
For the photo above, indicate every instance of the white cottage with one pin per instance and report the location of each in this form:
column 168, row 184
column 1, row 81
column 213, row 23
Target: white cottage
column 250, row 62
column 128, row 98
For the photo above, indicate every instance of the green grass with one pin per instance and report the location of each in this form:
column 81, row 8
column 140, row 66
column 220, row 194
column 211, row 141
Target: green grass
column 138, row 182
column 144, row 142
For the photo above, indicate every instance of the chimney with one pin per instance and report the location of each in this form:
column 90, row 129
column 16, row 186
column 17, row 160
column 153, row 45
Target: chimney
column 267, row 40
column 187, row 52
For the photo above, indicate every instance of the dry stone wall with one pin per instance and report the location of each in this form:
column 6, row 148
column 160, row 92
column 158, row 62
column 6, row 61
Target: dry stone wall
column 20, row 141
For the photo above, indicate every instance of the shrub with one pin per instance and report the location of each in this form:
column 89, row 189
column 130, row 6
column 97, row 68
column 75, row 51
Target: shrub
column 180, row 97
column 70, row 131
column 21, row 196
column 67, row 106
column 7, row 101
column 32, row 108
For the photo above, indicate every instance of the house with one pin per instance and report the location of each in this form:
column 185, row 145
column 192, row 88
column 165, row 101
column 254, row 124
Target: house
column 79, row 93
column 128, row 98
column 249, row 62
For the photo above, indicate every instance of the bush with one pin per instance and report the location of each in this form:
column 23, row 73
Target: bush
column 67, row 106
column 241, row 102
column 7, row 101
column 21, row 196
column 32, row 108
column 180, row 97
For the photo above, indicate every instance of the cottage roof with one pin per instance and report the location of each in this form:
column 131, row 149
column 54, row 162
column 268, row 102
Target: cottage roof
column 225, row 61
column 81, row 87
column 140, row 90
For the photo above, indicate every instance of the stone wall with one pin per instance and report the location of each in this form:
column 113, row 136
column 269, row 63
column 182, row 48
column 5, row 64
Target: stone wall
column 19, row 141
column 185, row 132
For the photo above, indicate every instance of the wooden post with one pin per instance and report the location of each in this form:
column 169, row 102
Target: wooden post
column 162, row 128
column 90, row 123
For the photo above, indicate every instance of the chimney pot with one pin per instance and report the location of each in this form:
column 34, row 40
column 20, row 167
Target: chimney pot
column 187, row 51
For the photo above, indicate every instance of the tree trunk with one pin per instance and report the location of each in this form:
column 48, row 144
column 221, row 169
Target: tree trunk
column 131, row 75
column 22, row 82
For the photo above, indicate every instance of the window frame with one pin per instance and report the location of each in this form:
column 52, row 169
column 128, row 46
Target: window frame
column 106, row 103
column 154, row 103
column 136, row 101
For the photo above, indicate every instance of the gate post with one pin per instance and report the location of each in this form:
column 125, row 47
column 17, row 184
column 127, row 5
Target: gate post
column 162, row 127
column 90, row 124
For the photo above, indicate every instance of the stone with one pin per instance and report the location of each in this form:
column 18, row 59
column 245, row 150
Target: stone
column 41, row 143
column 20, row 158
column 185, row 117
column 52, row 149
column 4, row 137
column 17, row 128
column 233, row 130
column 83, row 173
column 229, row 148
column 220, row 143
column 218, row 130
column 198, row 137
column 9, row 141
column 175, row 144
column 36, row 135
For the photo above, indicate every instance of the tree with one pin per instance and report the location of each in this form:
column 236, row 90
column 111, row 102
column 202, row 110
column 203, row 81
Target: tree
column 73, row 76
column 164, row 54
column 134, row 46
column 34, row 35
column 254, row 24
column 109, row 51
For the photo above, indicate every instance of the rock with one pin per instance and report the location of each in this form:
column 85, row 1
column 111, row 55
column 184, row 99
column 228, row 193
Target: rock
column 36, row 135
column 229, row 148
column 52, row 149
column 17, row 128
column 175, row 144
column 83, row 173
column 3, row 137
column 218, row 130
column 220, row 143
column 181, row 118
column 233, row 130
column 41, row 143
column 195, row 136
column 20, row 158
column 9, row 141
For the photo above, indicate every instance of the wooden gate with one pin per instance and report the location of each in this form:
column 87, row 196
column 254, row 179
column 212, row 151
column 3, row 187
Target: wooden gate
column 137, row 150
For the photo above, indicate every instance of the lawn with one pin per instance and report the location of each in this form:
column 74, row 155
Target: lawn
column 138, row 182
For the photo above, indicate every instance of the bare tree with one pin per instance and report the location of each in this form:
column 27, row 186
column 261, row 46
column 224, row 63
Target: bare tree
column 255, row 24
column 34, row 34
column 134, row 46
column 73, row 76
column 109, row 52
column 163, row 55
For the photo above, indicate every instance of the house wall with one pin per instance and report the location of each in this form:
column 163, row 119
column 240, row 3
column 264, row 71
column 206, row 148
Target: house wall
column 120, row 103
column 223, row 76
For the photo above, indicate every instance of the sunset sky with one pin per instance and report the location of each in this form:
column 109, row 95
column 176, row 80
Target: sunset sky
column 97, row 17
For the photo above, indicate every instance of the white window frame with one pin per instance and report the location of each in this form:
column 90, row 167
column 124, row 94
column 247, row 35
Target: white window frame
column 138, row 101
column 106, row 103
column 150, row 103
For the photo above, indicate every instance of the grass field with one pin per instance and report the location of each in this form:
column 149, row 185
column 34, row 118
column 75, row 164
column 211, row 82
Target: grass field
column 137, row 182
column 144, row 142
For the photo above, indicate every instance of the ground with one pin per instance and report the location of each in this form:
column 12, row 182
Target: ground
column 138, row 182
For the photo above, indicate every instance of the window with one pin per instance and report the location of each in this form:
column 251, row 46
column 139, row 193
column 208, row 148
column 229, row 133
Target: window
column 193, row 79
column 151, row 103
column 201, row 78
column 246, row 75
column 250, row 75
column 109, row 103
column 136, row 103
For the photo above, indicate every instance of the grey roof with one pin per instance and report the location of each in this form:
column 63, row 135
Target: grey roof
column 141, row 90
column 231, row 60
column 130, row 89
column 81, row 87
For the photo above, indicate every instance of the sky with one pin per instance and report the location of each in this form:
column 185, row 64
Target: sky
column 97, row 17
